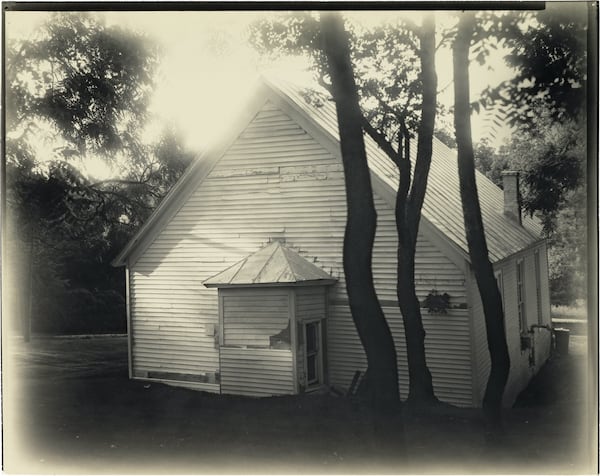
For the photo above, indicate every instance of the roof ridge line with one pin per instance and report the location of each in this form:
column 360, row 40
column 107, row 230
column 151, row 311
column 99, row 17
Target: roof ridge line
column 268, row 260
column 290, row 264
column 241, row 263
column 284, row 250
column 282, row 273
column 285, row 95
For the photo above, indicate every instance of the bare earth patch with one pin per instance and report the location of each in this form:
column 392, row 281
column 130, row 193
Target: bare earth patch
column 70, row 408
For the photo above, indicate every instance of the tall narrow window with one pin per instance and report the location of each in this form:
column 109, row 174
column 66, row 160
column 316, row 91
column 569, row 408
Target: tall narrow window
column 500, row 284
column 538, row 288
column 521, row 296
column 313, row 352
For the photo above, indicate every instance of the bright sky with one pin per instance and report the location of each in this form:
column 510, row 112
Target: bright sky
column 208, row 68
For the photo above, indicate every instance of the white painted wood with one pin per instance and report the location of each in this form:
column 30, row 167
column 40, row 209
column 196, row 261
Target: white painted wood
column 442, row 216
column 442, row 210
column 477, row 361
column 205, row 387
column 129, row 328
column 293, row 336
column 256, row 372
column 221, row 319
column 251, row 317
column 289, row 186
column 181, row 190
column 447, row 352
column 310, row 303
column 545, row 285
column 538, row 284
column 520, row 370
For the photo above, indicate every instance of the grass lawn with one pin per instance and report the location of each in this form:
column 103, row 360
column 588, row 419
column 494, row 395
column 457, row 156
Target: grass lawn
column 70, row 408
column 579, row 311
column 573, row 318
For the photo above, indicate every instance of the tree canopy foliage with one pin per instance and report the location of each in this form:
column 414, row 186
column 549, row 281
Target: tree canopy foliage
column 385, row 58
column 551, row 157
column 90, row 80
column 548, row 51
column 547, row 102
column 79, row 89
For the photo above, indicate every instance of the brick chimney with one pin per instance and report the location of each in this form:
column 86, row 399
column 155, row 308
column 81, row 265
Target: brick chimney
column 512, row 199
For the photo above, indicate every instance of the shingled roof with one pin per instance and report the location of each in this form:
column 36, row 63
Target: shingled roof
column 442, row 210
column 274, row 264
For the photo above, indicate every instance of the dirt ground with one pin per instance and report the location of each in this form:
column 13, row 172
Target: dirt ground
column 70, row 408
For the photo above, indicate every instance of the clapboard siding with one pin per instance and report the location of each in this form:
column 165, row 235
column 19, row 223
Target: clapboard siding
column 511, row 322
column 522, row 366
column 442, row 202
column 300, row 362
column 276, row 181
column 256, row 372
column 482, row 355
column 249, row 197
column 447, row 353
column 252, row 317
column 447, row 342
column 545, row 286
column 310, row 303
column 167, row 333
column 433, row 270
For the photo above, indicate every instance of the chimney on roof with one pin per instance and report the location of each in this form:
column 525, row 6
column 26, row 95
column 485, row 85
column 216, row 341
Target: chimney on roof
column 512, row 199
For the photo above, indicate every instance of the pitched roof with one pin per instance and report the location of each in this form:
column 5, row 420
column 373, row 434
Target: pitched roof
column 442, row 206
column 274, row 264
column 442, row 210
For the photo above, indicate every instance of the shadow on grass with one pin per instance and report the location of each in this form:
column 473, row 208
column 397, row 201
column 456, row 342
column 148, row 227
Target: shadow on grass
column 77, row 412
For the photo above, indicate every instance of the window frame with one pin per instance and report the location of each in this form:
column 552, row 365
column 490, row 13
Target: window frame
column 500, row 284
column 521, row 296
column 318, row 353
column 538, row 285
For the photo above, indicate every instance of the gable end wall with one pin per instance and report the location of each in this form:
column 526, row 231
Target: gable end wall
column 277, row 182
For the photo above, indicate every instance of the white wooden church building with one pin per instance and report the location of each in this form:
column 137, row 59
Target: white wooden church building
column 235, row 284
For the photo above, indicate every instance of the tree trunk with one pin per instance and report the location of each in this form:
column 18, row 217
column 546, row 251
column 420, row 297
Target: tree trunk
column 408, row 216
column 478, row 252
column 373, row 330
column 421, row 385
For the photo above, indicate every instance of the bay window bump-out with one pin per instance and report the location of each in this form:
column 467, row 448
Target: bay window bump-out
column 272, row 310
column 256, row 319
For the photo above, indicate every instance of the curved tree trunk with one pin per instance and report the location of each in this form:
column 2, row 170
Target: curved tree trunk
column 420, row 380
column 408, row 216
column 373, row 330
column 478, row 252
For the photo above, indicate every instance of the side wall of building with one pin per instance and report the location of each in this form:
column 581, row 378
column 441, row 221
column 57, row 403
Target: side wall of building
column 526, row 360
column 277, row 181
column 447, row 340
